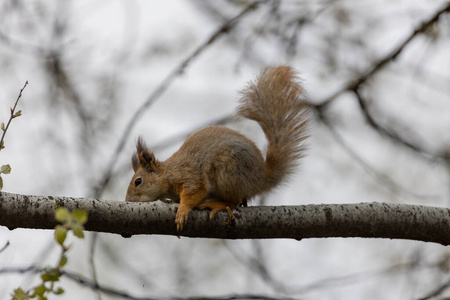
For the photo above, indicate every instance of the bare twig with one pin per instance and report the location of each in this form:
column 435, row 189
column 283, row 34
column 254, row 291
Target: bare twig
column 60, row 77
column 4, row 247
column 113, row 292
column 257, row 266
column 321, row 284
column 353, row 278
column 380, row 64
column 93, row 244
column 12, row 116
column 438, row 291
column 384, row 180
column 180, row 69
column 77, row 278
column 385, row 132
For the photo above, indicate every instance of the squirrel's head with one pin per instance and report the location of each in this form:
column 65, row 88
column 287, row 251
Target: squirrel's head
column 146, row 184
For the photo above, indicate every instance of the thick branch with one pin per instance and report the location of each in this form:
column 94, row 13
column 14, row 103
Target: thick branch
column 369, row 220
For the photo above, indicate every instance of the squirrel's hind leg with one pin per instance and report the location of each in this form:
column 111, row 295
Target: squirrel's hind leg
column 217, row 206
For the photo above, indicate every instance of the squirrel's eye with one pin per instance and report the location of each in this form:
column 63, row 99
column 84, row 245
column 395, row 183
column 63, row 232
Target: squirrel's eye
column 138, row 181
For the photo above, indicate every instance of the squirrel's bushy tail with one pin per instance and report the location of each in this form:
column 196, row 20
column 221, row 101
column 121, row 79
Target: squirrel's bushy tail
column 275, row 101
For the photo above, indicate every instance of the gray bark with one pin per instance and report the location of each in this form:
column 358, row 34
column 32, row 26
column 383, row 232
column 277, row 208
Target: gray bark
column 365, row 220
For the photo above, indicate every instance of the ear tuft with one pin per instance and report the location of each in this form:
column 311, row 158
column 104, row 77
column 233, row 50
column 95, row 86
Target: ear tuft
column 146, row 157
column 135, row 162
column 140, row 145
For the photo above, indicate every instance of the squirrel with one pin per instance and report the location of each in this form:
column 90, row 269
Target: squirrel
column 220, row 168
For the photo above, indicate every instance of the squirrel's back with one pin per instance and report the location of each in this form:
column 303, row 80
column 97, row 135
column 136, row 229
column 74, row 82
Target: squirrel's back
column 231, row 164
column 275, row 101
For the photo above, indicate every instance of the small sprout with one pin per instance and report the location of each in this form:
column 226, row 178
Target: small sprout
column 17, row 114
column 3, row 126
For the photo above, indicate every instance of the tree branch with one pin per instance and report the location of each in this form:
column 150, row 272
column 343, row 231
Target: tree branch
column 384, row 180
column 393, row 136
column 81, row 280
column 382, row 62
column 367, row 220
column 12, row 116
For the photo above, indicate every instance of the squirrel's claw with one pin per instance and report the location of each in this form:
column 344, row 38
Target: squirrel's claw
column 182, row 216
column 230, row 213
column 216, row 206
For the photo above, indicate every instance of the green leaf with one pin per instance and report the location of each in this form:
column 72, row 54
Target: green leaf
column 63, row 261
column 77, row 230
column 60, row 234
column 61, row 214
column 1, row 183
column 59, row 291
column 80, row 216
column 17, row 114
column 51, row 275
column 5, row 169
column 40, row 290
column 2, row 145
column 20, row 294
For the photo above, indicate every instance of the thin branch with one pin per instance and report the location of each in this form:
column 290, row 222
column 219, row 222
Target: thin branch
column 326, row 283
column 367, row 220
column 258, row 268
column 100, row 288
column 113, row 292
column 12, row 116
column 59, row 76
column 391, row 135
column 4, row 247
column 93, row 244
column 381, row 63
column 180, row 69
column 438, row 291
column 78, row 279
column 358, row 277
column 384, row 180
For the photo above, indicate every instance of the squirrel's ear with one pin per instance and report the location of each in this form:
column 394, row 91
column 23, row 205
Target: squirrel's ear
column 145, row 157
column 135, row 162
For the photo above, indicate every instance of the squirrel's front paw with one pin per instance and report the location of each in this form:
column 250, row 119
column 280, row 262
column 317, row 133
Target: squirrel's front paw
column 182, row 216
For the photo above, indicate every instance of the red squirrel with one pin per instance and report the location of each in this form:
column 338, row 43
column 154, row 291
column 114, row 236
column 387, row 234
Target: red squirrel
column 219, row 168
